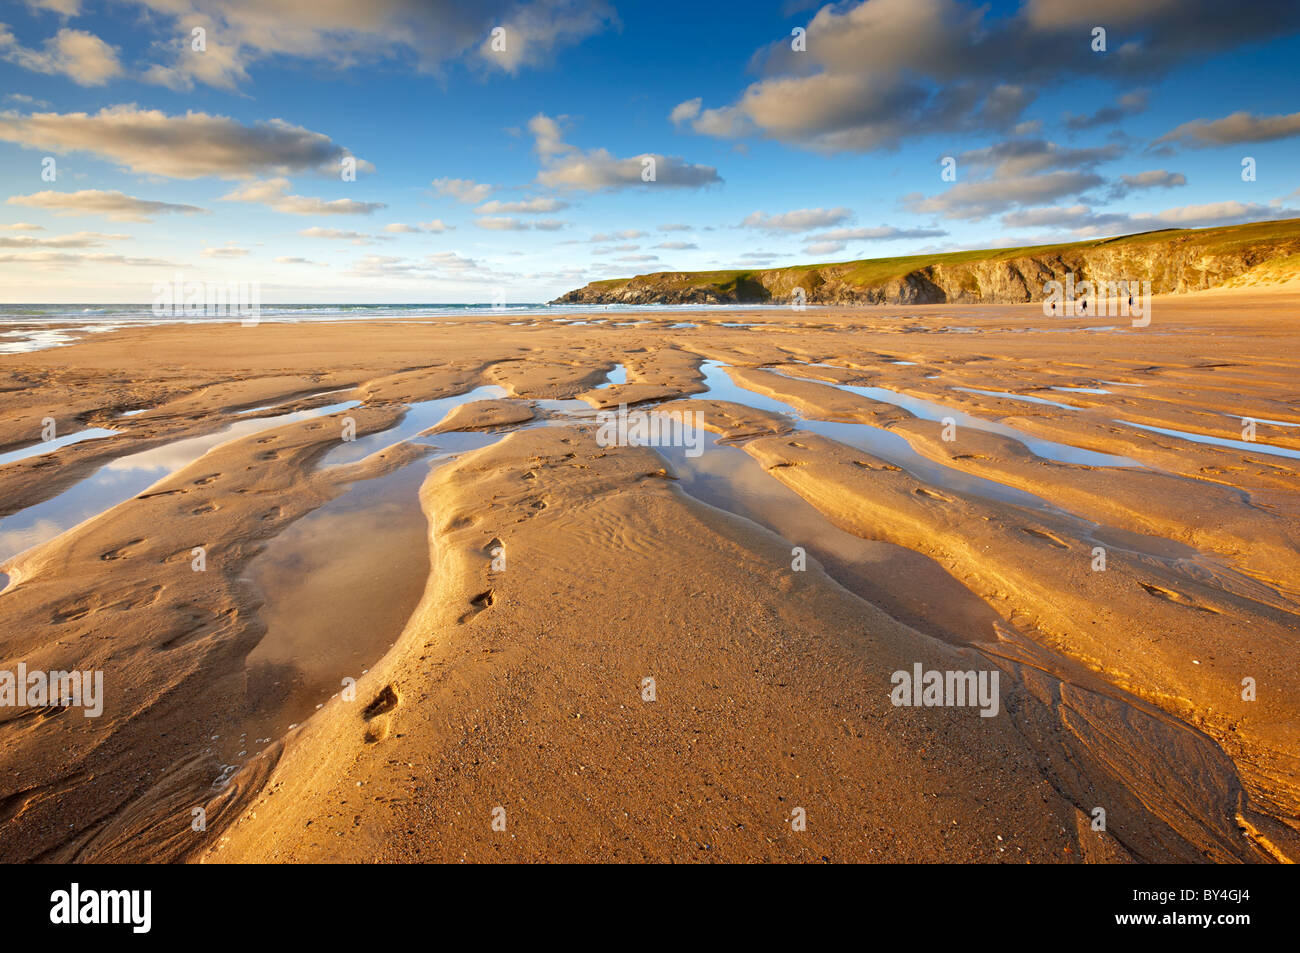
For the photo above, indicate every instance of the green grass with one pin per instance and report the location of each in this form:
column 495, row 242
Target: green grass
column 874, row 271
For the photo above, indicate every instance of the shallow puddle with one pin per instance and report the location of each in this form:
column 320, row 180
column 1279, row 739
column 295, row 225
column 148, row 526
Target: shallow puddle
column 119, row 480
column 908, row 585
column 338, row 587
column 1247, row 445
column 420, row 416
column 895, row 449
column 49, row 446
column 615, row 377
column 932, row 410
column 1026, row 398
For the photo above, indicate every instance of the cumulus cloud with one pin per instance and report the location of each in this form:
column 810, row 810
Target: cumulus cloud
column 1239, row 127
column 1018, row 157
column 1083, row 222
column 111, row 204
column 878, row 71
column 567, row 167
column 1151, row 179
column 82, row 57
column 686, row 111
column 1012, row 173
column 980, row 199
column 677, row 246
column 823, row 248
column 1155, row 178
column 22, row 227
column 274, row 194
column 526, row 206
column 537, row 29
column 800, row 220
column 425, row 33
column 1130, row 104
column 463, row 190
column 181, row 147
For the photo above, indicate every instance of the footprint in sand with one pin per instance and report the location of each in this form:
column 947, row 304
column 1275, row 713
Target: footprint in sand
column 1055, row 541
column 121, row 552
column 480, row 602
column 1178, row 598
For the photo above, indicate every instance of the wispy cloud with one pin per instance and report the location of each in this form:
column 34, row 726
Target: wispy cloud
column 111, row 204
column 274, row 194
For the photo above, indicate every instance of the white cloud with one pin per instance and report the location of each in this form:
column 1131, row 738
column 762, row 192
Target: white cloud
column 114, row 205
column 1236, row 128
column 507, row 223
column 527, row 206
column 75, row 240
column 426, row 33
column 800, row 220
column 878, row 72
column 228, row 250
column 567, row 167
column 687, row 111
column 463, row 190
column 82, row 57
column 180, row 147
column 627, row 233
column 274, row 194
column 339, row 234
column 880, row 234
column 536, row 30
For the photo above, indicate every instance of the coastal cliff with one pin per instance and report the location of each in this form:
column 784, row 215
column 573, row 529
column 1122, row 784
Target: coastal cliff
column 1174, row 261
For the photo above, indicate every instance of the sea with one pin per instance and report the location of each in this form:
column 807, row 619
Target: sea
column 34, row 327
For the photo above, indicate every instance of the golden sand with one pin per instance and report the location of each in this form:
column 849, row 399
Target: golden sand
column 500, row 709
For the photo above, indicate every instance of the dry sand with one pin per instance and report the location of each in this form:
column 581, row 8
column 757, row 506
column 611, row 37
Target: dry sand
column 501, row 588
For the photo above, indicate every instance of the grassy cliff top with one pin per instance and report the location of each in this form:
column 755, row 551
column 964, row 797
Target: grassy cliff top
column 871, row 271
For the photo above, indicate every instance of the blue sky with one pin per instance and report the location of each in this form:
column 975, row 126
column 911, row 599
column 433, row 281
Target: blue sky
column 518, row 172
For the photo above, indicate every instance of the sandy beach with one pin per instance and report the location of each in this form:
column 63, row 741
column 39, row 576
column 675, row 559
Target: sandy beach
column 380, row 591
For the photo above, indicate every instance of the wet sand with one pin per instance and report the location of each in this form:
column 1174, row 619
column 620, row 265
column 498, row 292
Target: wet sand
column 429, row 598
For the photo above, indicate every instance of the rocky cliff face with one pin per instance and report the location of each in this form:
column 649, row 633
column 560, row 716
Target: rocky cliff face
column 1177, row 263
